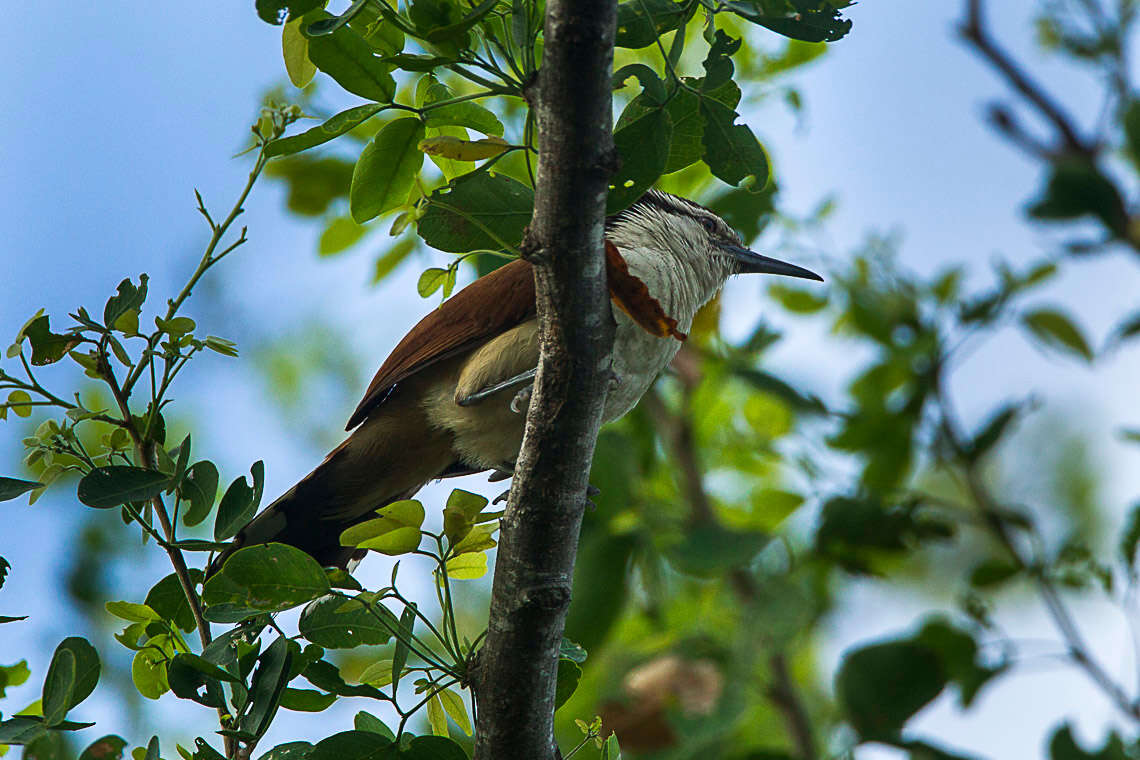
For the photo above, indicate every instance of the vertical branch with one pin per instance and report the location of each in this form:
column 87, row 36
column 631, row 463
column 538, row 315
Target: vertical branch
column 515, row 674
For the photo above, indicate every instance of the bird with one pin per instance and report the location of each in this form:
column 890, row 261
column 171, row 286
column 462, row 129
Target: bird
column 451, row 398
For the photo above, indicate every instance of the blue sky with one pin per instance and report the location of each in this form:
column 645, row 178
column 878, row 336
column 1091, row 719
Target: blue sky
column 117, row 111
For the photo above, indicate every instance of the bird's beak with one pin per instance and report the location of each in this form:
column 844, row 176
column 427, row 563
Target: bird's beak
column 750, row 262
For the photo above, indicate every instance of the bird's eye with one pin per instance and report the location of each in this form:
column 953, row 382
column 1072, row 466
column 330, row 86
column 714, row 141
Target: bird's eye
column 710, row 226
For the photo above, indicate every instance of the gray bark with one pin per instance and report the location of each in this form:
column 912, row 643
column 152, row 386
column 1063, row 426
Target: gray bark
column 515, row 674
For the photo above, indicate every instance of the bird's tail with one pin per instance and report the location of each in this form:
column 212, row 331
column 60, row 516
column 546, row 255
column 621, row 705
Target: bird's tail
column 366, row 472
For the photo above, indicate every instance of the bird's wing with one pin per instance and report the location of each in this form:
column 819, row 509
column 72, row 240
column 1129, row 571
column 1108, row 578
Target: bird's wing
column 484, row 309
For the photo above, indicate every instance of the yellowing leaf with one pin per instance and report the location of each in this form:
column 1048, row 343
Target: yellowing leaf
column 295, row 50
column 464, row 150
column 437, row 718
column 453, row 704
column 467, row 567
column 378, row 674
column 479, row 539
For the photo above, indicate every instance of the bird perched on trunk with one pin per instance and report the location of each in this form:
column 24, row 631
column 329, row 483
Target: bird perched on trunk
column 451, row 399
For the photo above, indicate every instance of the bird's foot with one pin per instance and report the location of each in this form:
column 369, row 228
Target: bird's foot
column 521, row 402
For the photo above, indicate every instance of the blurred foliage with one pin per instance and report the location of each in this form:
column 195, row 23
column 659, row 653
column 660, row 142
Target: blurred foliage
column 736, row 507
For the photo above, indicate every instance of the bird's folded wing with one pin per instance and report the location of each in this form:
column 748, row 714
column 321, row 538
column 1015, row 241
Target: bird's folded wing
column 488, row 307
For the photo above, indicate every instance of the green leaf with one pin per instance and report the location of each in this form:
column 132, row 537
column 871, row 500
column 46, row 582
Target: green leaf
column 431, row 280
column 568, row 650
column 1130, row 537
column 467, row 567
column 47, row 347
column 338, row 623
column 477, row 210
column 806, row 20
column 288, row 751
column 1056, row 330
column 1131, row 123
column 13, row 675
column 365, row 721
column 1062, row 746
column 131, row 612
column 127, row 298
column 340, row 234
column 352, row 745
column 264, row 578
column 436, row 22
column 108, row 747
column 306, row 700
column 112, row 486
column 275, row 11
column 732, row 152
column 169, row 600
column 400, row 653
column 882, row 686
column 641, row 22
column 21, row 730
column 58, row 686
column 295, row 52
column 386, row 170
column 199, row 487
column 797, row 300
column 709, row 548
column 610, row 748
column 10, row 488
column 643, row 145
column 347, row 57
column 239, row 503
column 269, row 679
column 568, row 676
column 20, row 402
column 334, row 127
column 1078, row 188
column 993, row 572
column 463, row 114
column 196, row 678
column 395, row 531
column 148, row 672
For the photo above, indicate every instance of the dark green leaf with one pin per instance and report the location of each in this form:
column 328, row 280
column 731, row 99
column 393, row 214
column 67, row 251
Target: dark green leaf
column 440, row 22
column 264, row 578
column 1130, row 537
column 386, row 170
column 881, row 686
column 400, row 653
column 992, row 572
column 1064, row 747
column 781, row 389
column 169, row 600
column 47, row 347
column 127, row 298
column 269, row 678
column 199, row 487
column 351, row 745
column 196, row 678
column 641, row 22
column 106, row 487
column 1077, row 188
column 21, row 730
column 1056, row 330
column 992, row 432
column 643, row 145
column 58, row 685
column 275, row 11
column 324, row 675
column 10, row 488
column 710, row 548
column 434, row 748
column 339, row 623
column 347, row 57
column 235, row 511
column 1132, row 130
column 568, row 650
column 79, row 663
column 306, row 700
column 477, row 210
column 568, row 676
column 365, row 721
column 109, row 747
column 334, row 127
column 732, row 152
column 806, row 20
column 288, row 751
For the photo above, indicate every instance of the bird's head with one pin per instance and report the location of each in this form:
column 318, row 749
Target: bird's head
column 699, row 240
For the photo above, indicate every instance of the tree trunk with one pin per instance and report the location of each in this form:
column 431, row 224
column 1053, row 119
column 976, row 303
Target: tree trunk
column 515, row 675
